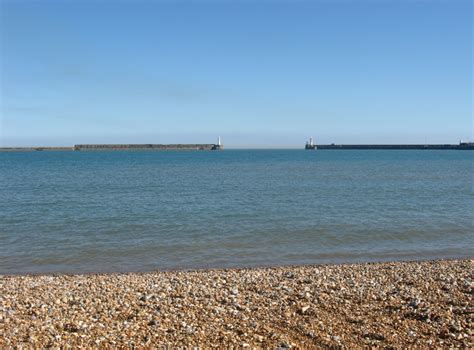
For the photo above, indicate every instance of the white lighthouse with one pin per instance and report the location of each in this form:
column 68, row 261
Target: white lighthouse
column 218, row 145
column 310, row 144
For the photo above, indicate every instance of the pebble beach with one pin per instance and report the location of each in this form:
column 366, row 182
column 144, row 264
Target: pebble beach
column 391, row 305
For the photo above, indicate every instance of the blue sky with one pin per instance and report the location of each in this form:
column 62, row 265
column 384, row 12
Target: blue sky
column 258, row 73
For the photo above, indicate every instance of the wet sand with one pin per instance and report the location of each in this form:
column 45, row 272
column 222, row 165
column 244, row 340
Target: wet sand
column 419, row 304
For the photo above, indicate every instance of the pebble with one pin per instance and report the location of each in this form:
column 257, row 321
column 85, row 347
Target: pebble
column 304, row 309
column 386, row 305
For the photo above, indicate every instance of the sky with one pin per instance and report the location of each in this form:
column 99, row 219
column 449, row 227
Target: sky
column 257, row 73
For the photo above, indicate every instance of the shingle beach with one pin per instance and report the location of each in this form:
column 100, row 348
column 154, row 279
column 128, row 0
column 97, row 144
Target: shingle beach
column 401, row 304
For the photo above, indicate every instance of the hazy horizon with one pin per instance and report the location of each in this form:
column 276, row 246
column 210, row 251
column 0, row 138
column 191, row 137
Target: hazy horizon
column 260, row 75
column 232, row 142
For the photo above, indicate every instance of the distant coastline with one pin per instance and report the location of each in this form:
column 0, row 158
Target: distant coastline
column 211, row 147
column 119, row 147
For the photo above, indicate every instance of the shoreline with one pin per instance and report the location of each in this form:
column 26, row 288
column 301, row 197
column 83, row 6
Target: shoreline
column 402, row 303
column 234, row 267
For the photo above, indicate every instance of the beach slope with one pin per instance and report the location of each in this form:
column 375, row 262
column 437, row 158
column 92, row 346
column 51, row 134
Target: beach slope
column 420, row 304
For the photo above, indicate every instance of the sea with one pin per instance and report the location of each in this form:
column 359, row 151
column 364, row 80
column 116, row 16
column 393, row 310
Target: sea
column 128, row 211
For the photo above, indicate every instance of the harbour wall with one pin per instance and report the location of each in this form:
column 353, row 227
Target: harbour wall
column 461, row 146
column 153, row 147
column 119, row 147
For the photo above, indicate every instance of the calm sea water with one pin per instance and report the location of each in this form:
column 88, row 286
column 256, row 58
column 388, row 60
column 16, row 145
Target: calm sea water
column 139, row 211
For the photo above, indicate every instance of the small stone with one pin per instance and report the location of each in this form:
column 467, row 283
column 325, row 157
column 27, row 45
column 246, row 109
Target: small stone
column 304, row 309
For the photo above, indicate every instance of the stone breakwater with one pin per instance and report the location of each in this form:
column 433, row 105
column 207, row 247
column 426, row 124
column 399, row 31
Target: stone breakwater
column 121, row 147
column 141, row 147
column 402, row 304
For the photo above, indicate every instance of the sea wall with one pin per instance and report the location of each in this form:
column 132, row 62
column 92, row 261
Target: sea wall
column 462, row 146
column 119, row 147
column 157, row 147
